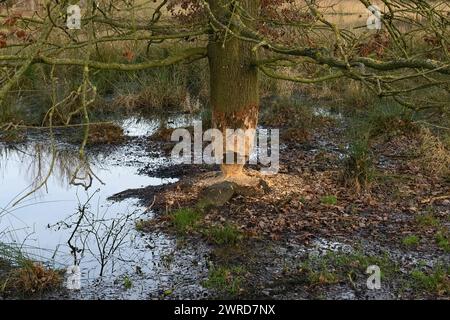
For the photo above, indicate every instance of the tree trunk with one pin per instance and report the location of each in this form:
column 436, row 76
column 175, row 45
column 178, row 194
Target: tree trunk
column 234, row 85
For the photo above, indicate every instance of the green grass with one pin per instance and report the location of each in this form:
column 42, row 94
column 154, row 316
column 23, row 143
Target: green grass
column 185, row 219
column 224, row 235
column 411, row 241
column 442, row 241
column 427, row 220
column 225, row 280
column 329, row 200
column 435, row 282
column 337, row 267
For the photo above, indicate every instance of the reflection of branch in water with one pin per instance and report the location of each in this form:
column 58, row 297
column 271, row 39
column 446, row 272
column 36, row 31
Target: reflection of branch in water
column 44, row 161
column 82, row 210
column 100, row 235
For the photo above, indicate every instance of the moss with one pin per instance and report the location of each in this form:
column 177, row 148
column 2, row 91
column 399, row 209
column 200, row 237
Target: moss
column 330, row 200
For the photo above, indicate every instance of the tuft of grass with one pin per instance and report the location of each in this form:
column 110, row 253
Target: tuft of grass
column 427, row 220
column 411, row 241
column 225, row 280
column 320, row 275
column 185, row 219
column 435, row 155
column 31, row 278
column 12, row 136
column 442, row 241
column 357, row 168
column 330, row 200
column 382, row 119
column 224, row 235
column 435, row 282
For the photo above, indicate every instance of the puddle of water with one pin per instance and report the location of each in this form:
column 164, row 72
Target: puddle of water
column 326, row 113
column 138, row 126
column 101, row 232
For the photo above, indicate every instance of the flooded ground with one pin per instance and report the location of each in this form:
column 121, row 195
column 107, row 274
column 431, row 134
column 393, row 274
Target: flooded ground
column 65, row 224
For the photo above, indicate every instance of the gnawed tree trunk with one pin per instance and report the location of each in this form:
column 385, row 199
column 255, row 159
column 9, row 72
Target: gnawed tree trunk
column 234, row 85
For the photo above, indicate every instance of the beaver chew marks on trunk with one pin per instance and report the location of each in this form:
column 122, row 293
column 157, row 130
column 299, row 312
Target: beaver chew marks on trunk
column 234, row 88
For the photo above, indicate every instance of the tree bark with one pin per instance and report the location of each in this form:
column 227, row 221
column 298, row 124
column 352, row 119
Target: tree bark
column 234, row 84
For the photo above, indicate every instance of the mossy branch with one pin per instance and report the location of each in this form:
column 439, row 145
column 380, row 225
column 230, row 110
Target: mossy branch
column 272, row 74
column 185, row 55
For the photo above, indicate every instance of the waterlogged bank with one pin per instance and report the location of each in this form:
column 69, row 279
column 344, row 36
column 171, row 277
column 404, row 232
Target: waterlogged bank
column 66, row 224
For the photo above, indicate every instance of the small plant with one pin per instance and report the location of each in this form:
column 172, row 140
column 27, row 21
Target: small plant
column 411, row 241
column 167, row 292
column 127, row 283
column 330, row 200
column 224, row 235
column 185, row 219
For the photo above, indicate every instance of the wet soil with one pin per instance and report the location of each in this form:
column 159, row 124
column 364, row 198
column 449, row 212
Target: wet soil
column 292, row 219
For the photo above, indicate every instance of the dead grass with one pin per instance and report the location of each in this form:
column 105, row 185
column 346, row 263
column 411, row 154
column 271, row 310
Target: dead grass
column 30, row 279
column 435, row 157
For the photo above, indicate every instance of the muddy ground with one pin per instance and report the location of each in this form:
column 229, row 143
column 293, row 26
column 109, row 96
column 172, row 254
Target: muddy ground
column 306, row 234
